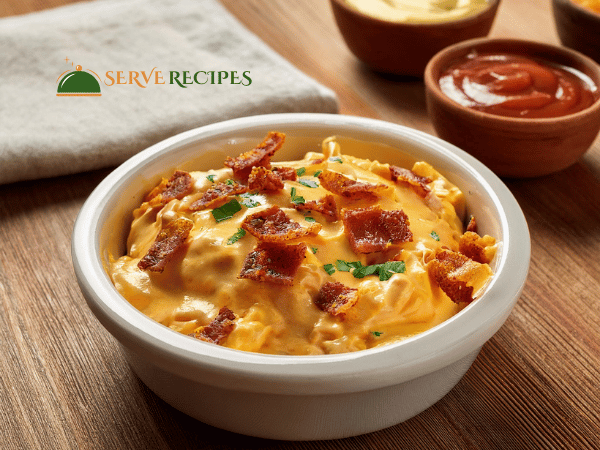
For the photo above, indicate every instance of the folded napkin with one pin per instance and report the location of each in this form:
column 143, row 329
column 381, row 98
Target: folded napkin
column 43, row 135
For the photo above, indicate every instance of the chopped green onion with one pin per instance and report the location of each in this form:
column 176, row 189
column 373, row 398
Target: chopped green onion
column 229, row 182
column 300, row 171
column 310, row 219
column 314, row 250
column 211, row 178
column 226, row 211
column 240, row 233
column 377, row 333
column 435, row 235
column 317, row 173
column 308, row 183
column 329, row 269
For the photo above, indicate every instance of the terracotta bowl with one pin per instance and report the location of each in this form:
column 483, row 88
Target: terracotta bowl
column 513, row 147
column 299, row 397
column 577, row 27
column 405, row 48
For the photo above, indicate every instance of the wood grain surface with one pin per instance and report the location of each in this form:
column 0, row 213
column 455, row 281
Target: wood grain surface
column 64, row 383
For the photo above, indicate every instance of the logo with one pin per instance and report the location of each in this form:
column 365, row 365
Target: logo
column 78, row 83
column 87, row 83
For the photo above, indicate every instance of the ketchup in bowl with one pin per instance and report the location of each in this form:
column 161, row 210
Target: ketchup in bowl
column 517, row 86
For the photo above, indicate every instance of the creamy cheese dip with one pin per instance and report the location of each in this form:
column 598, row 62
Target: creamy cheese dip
column 204, row 276
column 419, row 11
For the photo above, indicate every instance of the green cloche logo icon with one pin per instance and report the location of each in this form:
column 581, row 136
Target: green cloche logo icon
column 78, row 83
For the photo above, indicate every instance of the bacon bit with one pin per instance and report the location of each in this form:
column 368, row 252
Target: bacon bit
column 477, row 248
column 325, row 206
column 169, row 240
column 262, row 179
column 218, row 195
column 286, row 173
column 273, row 225
column 416, row 182
column 176, row 187
column 451, row 271
column 273, row 263
column 472, row 226
column 373, row 230
column 220, row 327
column 259, row 156
column 342, row 185
column 335, row 298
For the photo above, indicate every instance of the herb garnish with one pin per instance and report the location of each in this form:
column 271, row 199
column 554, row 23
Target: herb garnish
column 211, row 178
column 229, row 182
column 240, row 233
column 250, row 200
column 329, row 269
column 435, row 235
column 301, row 171
column 314, row 250
column 310, row 219
column 317, row 173
column 336, row 159
column 296, row 199
column 377, row 333
column 308, row 183
column 344, row 266
column 226, row 211
column 385, row 270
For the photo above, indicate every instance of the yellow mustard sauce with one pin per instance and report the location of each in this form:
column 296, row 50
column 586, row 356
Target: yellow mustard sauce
column 592, row 5
column 419, row 11
column 277, row 319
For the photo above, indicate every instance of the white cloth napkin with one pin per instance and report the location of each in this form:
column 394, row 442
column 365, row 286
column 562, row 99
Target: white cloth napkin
column 43, row 135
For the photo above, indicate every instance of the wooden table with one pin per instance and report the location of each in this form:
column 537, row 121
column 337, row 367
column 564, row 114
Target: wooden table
column 536, row 384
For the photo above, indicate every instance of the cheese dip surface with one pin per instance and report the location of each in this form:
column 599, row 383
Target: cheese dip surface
column 328, row 254
column 419, row 11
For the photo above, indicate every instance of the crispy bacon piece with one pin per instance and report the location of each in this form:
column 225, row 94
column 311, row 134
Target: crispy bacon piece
column 273, row 225
column 169, row 240
column 273, row 263
column 259, row 156
column 472, row 226
column 262, row 179
column 346, row 187
column 373, row 229
column 218, row 195
column 178, row 186
column 286, row 173
column 220, row 327
column 325, row 206
column 477, row 248
column 335, row 298
column 451, row 270
column 416, row 182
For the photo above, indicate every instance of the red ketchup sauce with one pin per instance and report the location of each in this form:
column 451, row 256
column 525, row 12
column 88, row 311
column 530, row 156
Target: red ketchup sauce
column 516, row 86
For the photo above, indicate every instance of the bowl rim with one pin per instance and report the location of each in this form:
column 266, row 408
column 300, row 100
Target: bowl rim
column 310, row 375
column 432, row 84
column 464, row 21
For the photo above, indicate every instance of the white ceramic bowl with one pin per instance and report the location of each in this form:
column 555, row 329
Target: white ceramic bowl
column 298, row 397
